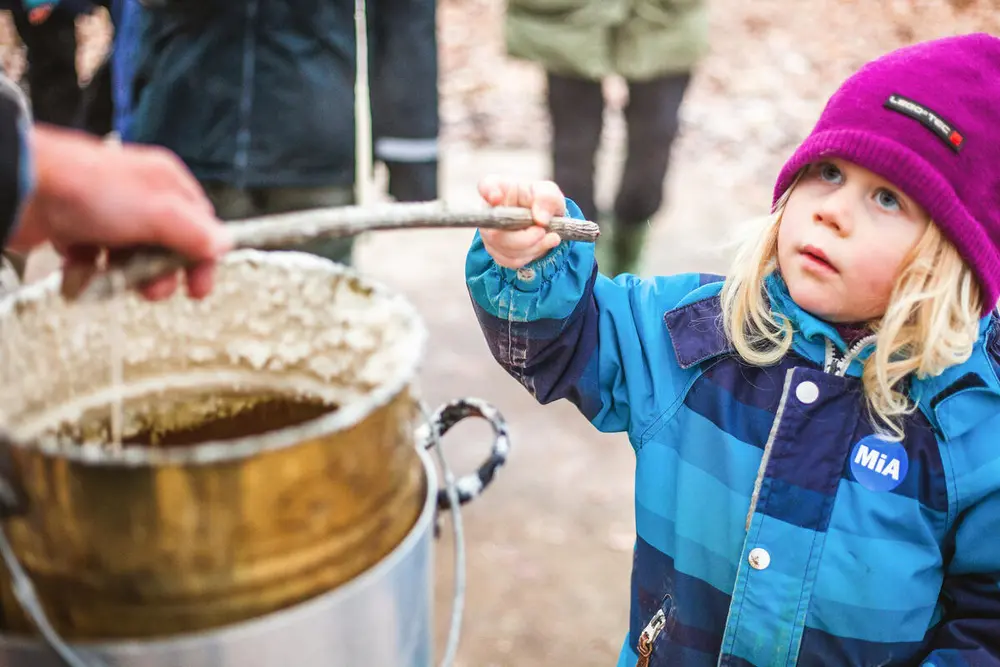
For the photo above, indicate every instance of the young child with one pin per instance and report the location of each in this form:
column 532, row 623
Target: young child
column 816, row 435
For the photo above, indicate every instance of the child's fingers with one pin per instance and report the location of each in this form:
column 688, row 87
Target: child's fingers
column 512, row 242
column 516, row 255
column 546, row 201
column 517, row 260
column 494, row 189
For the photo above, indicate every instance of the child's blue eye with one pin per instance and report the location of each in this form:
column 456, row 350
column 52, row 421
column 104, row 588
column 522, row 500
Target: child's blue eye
column 887, row 200
column 829, row 172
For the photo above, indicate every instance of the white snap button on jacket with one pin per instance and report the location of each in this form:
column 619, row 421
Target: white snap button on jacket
column 759, row 558
column 807, row 392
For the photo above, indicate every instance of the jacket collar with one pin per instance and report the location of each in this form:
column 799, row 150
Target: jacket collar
column 954, row 401
column 697, row 334
column 965, row 394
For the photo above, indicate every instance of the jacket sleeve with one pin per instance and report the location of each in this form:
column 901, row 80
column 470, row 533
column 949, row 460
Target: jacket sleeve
column 969, row 633
column 563, row 330
column 16, row 174
column 404, row 96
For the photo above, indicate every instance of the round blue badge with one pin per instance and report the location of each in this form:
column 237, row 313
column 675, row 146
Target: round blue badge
column 878, row 464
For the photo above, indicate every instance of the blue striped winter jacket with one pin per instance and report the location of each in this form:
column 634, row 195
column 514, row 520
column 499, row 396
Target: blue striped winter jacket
column 856, row 551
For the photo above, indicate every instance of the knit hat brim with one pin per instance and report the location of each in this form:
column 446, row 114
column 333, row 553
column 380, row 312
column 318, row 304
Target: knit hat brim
column 918, row 180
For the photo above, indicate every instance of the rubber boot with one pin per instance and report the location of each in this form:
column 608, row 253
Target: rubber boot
column 627, row 242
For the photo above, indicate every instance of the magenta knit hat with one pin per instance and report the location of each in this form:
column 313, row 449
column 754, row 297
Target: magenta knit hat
column 927, row 118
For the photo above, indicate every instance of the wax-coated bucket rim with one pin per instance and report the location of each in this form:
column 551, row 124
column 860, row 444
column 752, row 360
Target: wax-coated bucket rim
column 235, row 449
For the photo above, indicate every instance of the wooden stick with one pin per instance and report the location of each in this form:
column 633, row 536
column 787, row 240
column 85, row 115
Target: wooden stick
column 364, row 162
column 288, row 230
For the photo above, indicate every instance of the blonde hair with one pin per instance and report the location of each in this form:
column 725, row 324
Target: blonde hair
column 930, row 324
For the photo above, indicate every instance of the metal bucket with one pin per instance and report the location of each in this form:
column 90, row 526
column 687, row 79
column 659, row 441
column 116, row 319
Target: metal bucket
column 381, row 618
column 167, row 538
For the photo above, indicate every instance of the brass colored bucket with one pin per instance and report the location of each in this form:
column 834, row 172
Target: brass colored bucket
column 269, row 446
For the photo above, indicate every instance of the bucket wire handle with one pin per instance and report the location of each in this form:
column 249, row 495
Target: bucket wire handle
column 12, row 502
column 457, row 492
column 451, row 493
column 24, row 591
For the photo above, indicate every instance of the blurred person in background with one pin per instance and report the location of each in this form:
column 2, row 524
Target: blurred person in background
column 653, row 45
column 48, row 32
column 47, row 29
column 258, row 100
column 126, row 16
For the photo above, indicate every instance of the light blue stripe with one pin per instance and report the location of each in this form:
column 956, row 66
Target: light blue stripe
column 868, row 624
column 870, row 573
column 976, row 464
column 767, row 617
column 690, row 557
column 789, row 546
column 859, row 511
column 879, row 542
column 627, row 657
column 731, row 461
column 705, row 510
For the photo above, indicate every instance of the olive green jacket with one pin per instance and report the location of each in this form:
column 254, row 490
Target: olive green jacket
column 638, row 39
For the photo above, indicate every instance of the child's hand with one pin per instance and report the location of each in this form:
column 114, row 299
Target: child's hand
column 514, row 249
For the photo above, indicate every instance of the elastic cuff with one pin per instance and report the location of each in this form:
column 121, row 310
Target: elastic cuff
column 531, row 277
column 16, row 167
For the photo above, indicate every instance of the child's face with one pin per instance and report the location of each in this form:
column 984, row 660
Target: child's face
column 844, row 235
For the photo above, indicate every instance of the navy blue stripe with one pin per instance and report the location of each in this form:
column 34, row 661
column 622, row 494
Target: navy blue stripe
column 795, row 505
column 703, row 641
column 811, row 452
column 697, row 609
column 741, row 400
column 755, row 386
column 554, row 353
column 756, row 391
column 718, row 404
column 821, row 649
column 709, row 278
column 733, row 661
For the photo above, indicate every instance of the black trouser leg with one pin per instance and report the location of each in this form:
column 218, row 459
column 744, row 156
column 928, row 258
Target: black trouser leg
column 652, row 120
column 97, row 111
column 576, row 108
column 54, row 89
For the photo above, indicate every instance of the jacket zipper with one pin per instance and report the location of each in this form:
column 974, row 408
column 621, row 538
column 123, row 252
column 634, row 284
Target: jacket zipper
column 648, row 636
column 838, row 365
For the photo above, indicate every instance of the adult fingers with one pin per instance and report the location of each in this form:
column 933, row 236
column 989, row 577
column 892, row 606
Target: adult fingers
column 161, row 288
column 200, row 279
column 185, row 227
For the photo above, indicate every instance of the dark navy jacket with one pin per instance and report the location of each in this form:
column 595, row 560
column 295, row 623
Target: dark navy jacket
column 261, row 92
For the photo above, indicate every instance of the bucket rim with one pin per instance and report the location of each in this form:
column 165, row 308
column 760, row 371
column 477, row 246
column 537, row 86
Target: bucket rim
column 235, row 449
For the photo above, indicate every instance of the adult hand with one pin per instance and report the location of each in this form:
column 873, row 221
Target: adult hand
column 91, row 195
